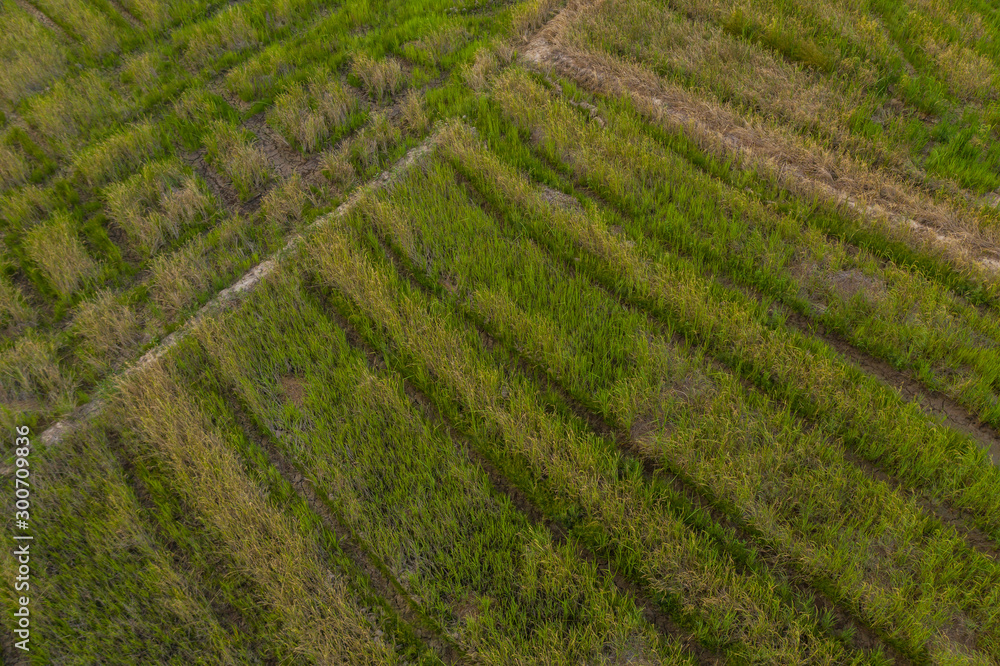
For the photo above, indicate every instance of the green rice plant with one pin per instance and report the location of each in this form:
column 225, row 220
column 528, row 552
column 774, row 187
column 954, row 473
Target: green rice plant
column 229, row 31
column 15, row 312
column 308, row 114
column 285, row 203
column 26, row 206
column 14, row 168
column 679, row 411
column 108, row 330
column 195, row 106
column 259, row 76
column 232, row 151
column 321, row 617
column 31, row 54
column 56, row 250
column 473, row 563
column 120, row 154
column 73, row 107
column 571, row 472
column 380, row 78
column 435, row 47
column 112, row 589
column 84, row 21
column 157, row 203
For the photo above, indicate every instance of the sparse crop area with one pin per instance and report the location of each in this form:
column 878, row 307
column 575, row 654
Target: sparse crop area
column 528, row 332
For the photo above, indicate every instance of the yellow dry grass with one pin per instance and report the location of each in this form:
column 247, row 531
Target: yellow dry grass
column 320, row 619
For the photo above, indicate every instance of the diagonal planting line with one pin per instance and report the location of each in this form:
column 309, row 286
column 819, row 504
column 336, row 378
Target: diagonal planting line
column 921, row 223
column 236, row 292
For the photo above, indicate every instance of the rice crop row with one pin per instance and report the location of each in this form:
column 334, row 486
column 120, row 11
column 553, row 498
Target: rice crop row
column 131, row 598
column 32, row 55
column 871, row 417
column 576, row 476
column 319, row 617
column 791, row 484
column 492, row 581
column 889, row 312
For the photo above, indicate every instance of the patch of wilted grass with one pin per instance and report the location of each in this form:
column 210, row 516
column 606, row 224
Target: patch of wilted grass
column 259, row 76
column 108, row 329
column 531, row 15
column 369, row 147
column 285, row 203
column 14, row 168
column 120, row 154
column 157, row 203
column 381, row 78
column 233, row 152
column 307, row 114
column 27, row 205
column 73, row 107
column 229, row 31
column 15, row 312
column 31, row 54
column 56, row 250
column 30, row 371
column 141, row 70
column 86, row 22
column 321, row 617
column 112, row 586
column 155, row 14
column 177, row 279
column 210, row 261
column 436, row 47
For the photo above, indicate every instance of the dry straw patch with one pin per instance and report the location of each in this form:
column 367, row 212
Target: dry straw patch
column 230, row 31
column 320, row 619
column 232, row 150
column 59, row 254
column 286, row 202
column 14, row 168
column 177, row 279
column 109, row 331
column 15, row 312
column 140, row 69
column 380, row 78
column 308, row 114
column 156, row 203
column 26, row 206
column 29, row 372
column 119, row 155
column 73, row 106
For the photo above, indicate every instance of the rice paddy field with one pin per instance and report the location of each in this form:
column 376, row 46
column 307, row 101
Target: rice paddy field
column 500, row 332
